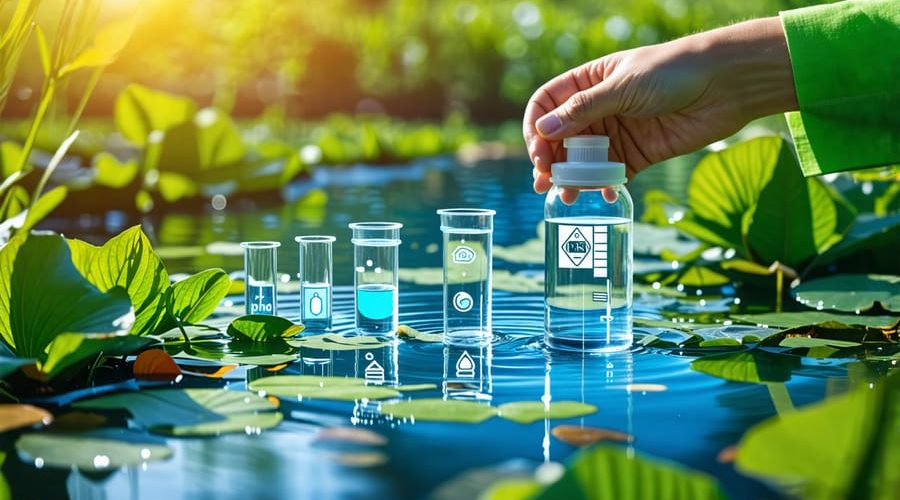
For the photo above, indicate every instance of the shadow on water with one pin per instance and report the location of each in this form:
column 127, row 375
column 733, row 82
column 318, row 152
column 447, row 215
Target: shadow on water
column 652, row 395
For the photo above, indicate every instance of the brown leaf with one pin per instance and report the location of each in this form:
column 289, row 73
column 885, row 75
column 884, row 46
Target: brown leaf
column 582, row 436
column 351, row 435
column 727, row 455
column 156, row 364
column 15, row 416
column 76, row 421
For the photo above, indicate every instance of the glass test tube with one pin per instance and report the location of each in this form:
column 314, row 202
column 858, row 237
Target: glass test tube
column 375, row 262
column 468, row 236
column 261, row 270
column 315, row 281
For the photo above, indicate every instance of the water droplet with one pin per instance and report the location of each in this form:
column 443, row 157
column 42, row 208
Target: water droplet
column 656, row 285
column 101, row 462
column 737, row 300
column 39, row 462
column 369, row 262
column 145, row 453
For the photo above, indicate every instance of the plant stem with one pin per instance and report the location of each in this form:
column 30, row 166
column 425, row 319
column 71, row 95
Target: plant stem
column 46, row 98
column 187, row 340
column 94, row 365
column 85, row 97
column 779, row 287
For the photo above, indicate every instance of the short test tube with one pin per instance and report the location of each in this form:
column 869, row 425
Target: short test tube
column 316, row 281
column 261, row 270
column 375, row 263
column 468, row 238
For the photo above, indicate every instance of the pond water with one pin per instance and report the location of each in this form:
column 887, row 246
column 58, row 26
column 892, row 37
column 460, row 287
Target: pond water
column 671, row 411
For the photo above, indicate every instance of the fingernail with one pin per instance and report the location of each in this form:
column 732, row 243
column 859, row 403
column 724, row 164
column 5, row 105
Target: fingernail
column 548, row 124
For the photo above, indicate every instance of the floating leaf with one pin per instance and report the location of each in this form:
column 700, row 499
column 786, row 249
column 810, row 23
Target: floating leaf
column 526, row 412
column 721, row 342
column 15, row 416
column 439, row 410
column 262, row 328
column 838, row 333
column 155, row 364
column 843, row 447
column 237, row 351
column 413, row 334
column 812, row 342
column 313, row 387
column 191, row 412
column 795, row 319
column 338, row 342
column 850, row 292
column 94, row 450
column 415, row 387
column 753, row 366
column 577, row 435
column 610, row 472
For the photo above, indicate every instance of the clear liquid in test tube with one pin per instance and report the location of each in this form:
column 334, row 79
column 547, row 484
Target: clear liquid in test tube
column 468, row 240
column 375, row 263
column 315, row 281
column 261, row 270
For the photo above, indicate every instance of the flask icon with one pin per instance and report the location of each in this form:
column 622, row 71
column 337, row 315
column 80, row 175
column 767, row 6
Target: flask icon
column 315, row 304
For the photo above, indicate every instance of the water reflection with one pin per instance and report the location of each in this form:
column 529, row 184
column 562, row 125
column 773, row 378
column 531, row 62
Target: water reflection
column 467, row 372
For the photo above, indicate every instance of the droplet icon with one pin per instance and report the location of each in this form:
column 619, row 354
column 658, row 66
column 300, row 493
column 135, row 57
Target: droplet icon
column 465, row 366
column 315, row 304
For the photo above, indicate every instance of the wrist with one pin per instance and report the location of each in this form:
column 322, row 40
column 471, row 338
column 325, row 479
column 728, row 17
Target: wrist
column 753, row 66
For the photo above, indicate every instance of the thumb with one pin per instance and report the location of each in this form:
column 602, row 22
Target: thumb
column 579, row 111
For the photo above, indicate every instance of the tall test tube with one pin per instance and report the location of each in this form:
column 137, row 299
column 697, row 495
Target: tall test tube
column 468, row 238
column 315, row 281
column 261, row 270
column 375, row 261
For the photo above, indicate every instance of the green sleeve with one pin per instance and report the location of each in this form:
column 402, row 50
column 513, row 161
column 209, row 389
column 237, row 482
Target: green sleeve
column 846, row 62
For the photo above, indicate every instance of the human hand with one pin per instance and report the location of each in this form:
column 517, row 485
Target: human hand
column 665, row 100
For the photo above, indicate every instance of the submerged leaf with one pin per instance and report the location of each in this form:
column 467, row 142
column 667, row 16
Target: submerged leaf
column 313, row 387
column 753, row 366
column 526, row 412
column 577, row 435
column 439, row 410
column 15, row 416
column 262, row 328
column 850, row 292
column 338, row 342
column 93, row 450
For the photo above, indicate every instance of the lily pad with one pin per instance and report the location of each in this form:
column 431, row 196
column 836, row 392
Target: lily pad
column 850, row 292
column 795, row 319
column 236, row 351
column 839, row 334
column 338, row 342
column 752, row 366
column 93, row 451
column 190, row 411
column 440, row 410
column 262, row 328
column 313, row 387
column 13, row 416
column 577, row 435
column 526, row 412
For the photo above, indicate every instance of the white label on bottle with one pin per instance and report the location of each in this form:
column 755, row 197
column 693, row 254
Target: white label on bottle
column 584, row 247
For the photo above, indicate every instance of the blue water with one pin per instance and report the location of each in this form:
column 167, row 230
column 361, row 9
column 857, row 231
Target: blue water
column 376, row 308
column 690, row 422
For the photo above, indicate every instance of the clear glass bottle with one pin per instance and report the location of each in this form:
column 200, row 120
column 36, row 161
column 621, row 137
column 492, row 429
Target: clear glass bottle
column 588, row 259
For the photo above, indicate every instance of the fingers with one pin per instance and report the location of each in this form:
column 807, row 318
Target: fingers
column 542, row 182
column 610, row 195
column 539, row 149
column 569, row 195
column 579, row 111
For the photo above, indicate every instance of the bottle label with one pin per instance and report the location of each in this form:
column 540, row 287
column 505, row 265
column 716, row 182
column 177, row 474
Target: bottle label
column 315, row 302
column 584, row 247
column 262, row 299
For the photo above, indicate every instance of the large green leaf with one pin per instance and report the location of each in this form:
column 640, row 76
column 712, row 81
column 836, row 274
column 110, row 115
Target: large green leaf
column 218, row 140
column 526, row 412
column 850, row 292
column 110, row 172
column 128, row 261
column 185, row 412
column 48, row 297
column 752, row 366
column 795, row 218
column 845, row 447
column 108, row 42
column 804, row 318
column 313, row 387
column 440, row 410
column 262, row 328
column 69, row 349
column 606, row 472
column 196, row 297
column 140, row 111
column 102, row 449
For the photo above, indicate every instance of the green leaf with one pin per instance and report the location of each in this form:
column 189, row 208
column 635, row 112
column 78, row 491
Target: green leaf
column 753, row 366
column 190, row 412
column 128, row 261
column 847, row 446
column 850, row 292
column 43, row 51
column 606, row 472
column 812, row 342
column 108, row 42
column 839, row 333
column 795, row 217
column 218, row 140
column 140, row 111
column 110, row 172
column 413, row 334
column 795, row 319
column 242, row 351
column 747, row 267
column 173, row 187
column 313, row 387
column 10, row 156
column 698, row 276
column 526, row 412
column 721, row 342
column 42, row 207
column 69, row 349
column 196, row 297
column 262, row 328
column 439, row 410
column 48, row 297
column 869, row 231
column 82, row 255
column 4, row 486
column 512, row 489
column 338, row 342
column 105, row 449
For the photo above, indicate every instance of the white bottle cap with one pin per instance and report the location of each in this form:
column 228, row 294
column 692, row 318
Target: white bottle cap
column 587, row 164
